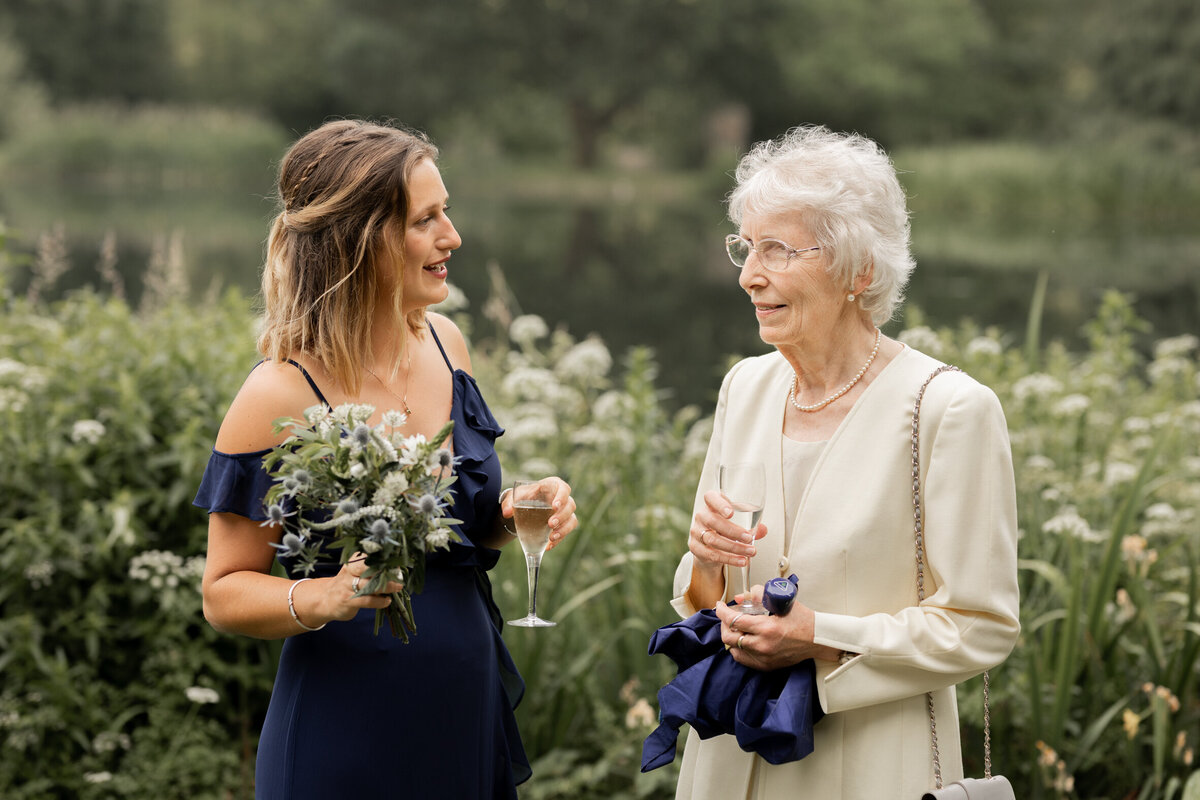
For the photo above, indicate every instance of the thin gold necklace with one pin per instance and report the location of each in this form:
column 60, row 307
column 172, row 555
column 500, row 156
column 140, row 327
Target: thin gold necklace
column 839, row 392
column 388, row 389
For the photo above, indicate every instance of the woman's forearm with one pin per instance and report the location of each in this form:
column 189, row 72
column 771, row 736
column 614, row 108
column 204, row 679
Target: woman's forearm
column 707, row 586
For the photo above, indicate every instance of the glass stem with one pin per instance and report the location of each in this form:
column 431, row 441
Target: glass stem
column 533, row 565
column 747, row 603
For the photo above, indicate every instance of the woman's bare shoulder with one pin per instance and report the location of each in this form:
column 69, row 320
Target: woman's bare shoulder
column 273, row 390
column 452, row 339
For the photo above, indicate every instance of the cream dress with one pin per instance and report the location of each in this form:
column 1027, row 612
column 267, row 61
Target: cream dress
column 851, row 545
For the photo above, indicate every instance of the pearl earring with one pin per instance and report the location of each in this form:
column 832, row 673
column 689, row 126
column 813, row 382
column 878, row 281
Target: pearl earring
column 850, row 297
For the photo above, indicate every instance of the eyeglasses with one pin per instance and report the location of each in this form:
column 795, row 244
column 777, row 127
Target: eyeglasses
column 772, row 253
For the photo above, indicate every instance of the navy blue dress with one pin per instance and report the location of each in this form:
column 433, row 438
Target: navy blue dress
column 353, row 714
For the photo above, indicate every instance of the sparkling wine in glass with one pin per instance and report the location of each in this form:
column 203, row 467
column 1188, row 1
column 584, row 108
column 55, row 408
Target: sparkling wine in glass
column 532, row 511
column 744, row 485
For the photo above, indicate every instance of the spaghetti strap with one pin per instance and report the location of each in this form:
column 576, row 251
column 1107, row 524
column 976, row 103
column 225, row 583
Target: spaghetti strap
column 438, row 341
column 311, row 383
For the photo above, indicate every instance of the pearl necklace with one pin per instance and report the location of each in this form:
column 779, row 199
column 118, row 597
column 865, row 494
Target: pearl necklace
column 388, row 389
column 839, row 392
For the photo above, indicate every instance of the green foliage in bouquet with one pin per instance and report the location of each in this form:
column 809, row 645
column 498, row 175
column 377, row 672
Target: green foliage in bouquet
column 370, row 492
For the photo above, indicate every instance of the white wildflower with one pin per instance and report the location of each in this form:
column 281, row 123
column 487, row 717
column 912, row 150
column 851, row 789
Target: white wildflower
column 533, row 427
column 1036, row 385
column 1072, row 405
column 922, row 338
column 1119, row 472
column 613, row 406
column 1162, row 369
column 103, row 776
column 529, row 383
column 12, row 399
column 369, row 546
column 1039, row 462
column 1161, row 511
column 34, row 380
column 438, row 538
column 316, row 414
column 358, row 470
column 527, row 328
column 39, row 574
column 383, row 496
column 1068, row 522
column 984, row 346
column 410, row 449
column 1176, row 346
column 394, row 418
column 110, row 741
column 588, row 360
column 10, row 367
column 201, row 694
column 1134, row 425
column 395, row 482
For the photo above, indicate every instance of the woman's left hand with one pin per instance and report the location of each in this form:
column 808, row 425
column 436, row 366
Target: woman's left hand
column 562, row 522
column 769, row 642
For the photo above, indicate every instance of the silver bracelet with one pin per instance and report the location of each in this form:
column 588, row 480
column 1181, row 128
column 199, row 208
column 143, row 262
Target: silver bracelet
column 292, row 607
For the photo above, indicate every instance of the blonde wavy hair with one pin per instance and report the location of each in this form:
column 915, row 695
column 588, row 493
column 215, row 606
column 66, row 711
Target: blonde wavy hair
column 343, row 198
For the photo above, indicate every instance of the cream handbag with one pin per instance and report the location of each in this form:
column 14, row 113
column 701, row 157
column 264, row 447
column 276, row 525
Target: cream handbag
column 990, row 787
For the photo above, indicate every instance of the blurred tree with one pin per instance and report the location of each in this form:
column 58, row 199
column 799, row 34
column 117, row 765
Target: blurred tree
column 94, row 49
column 256, row 54
column 1147, row 58
column 24, row 98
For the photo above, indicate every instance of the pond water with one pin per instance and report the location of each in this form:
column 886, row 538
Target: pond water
column 639, row 273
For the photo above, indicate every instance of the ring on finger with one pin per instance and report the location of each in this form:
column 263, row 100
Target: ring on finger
column 704, row 537
column 354, row 583
column 733, row 625
column 739, row 641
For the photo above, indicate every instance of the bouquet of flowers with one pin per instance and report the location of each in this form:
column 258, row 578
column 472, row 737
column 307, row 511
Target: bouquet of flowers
column 340, row 484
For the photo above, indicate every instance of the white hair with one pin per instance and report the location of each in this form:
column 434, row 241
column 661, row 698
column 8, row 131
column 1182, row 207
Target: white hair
column 843, row 188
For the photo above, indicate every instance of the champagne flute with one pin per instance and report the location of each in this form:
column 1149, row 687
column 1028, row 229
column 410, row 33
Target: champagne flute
column 743, row 485
column 532, row 510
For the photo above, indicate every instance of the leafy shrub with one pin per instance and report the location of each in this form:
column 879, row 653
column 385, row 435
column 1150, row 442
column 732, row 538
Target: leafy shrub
column 112, row 684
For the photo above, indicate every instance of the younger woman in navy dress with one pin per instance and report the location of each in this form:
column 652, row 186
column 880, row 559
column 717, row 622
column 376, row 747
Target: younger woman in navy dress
column 355, row 257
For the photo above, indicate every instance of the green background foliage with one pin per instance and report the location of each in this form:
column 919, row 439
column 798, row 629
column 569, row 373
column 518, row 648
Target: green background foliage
column 108, row 414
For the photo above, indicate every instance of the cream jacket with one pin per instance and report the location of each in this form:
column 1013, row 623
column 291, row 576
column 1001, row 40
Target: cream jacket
column 852, row 548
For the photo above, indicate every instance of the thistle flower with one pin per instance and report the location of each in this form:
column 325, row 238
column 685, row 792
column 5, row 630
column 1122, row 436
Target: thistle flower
column 346, row 506
column 379, row 530
column 290, row 546
column 275, row 516
column 361, row 435
column 427, row 504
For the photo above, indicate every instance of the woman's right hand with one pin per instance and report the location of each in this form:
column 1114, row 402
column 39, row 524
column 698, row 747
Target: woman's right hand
column 340, row 601
column 715, row 541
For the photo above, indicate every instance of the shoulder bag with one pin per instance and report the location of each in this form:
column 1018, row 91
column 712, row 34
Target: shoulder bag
column 990, row 787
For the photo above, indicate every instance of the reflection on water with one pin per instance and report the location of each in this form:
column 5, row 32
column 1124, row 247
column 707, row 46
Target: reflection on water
column 645, row 274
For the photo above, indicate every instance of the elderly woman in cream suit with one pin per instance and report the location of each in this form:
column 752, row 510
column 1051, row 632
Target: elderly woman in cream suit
column 823, row 248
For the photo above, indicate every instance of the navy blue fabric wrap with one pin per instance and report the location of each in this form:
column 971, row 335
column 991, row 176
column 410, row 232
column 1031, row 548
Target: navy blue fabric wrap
column 769, row 713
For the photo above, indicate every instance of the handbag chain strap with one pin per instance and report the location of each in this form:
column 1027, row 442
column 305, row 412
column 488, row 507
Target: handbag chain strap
column 919, row 536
